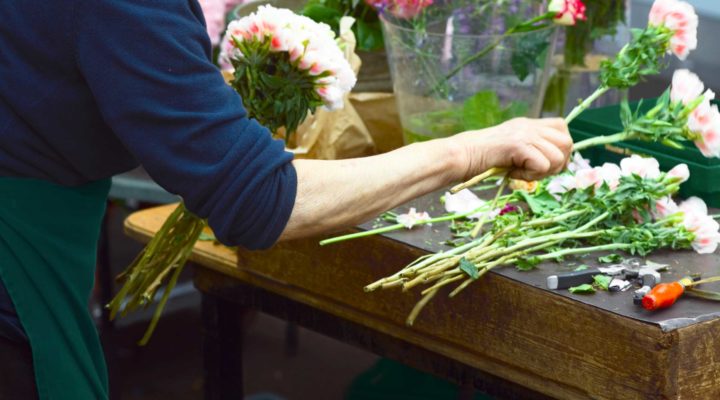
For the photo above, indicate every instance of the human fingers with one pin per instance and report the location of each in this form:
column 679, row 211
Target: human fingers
column 530, row 163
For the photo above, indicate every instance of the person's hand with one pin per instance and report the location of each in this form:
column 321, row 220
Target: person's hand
column 531, row 148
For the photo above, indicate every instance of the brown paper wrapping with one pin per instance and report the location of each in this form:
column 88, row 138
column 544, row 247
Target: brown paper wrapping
column 380, row 115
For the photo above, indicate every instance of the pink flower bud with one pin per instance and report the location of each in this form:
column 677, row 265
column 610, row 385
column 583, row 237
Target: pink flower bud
column 567, row 12
column 680, row 172
column 665, row 207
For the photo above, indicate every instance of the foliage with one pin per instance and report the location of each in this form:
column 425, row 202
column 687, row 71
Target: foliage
column 274, row 91
column 483, row 110
column 582, row 289
column 367, row 29
column 641, row 57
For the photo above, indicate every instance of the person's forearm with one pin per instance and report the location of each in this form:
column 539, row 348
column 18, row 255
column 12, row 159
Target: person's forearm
column 337, row 194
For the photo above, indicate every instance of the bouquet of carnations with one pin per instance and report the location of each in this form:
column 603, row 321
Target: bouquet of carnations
column 284, row 67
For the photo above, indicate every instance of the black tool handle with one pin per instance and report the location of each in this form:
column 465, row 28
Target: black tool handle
column 570, row 279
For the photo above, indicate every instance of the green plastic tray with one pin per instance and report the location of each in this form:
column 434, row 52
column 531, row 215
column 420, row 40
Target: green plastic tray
column 704, row 172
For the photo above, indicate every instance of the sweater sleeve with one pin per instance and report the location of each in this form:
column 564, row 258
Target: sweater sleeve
column 147, row 63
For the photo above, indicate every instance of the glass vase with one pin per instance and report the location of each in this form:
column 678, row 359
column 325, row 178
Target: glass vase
column 456, row 70
column 575, row 76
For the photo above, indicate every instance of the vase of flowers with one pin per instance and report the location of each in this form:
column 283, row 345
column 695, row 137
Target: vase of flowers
column 459, row 66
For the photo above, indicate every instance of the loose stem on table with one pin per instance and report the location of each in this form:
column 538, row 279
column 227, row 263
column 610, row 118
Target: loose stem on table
column 395, row 227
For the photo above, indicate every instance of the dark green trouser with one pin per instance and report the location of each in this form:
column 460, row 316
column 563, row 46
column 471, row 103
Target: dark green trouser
column 48, row 240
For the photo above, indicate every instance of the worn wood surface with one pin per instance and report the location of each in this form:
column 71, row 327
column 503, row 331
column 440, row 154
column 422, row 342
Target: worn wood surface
column 546, row 342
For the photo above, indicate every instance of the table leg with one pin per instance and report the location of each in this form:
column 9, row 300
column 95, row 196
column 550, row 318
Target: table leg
column 222, row 347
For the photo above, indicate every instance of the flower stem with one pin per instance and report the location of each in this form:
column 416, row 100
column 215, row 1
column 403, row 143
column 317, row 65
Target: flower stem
column 567, row 252
column 493, row 206
column 601, row 140
column 585, row 103
column 395, row 227
column 495, row 171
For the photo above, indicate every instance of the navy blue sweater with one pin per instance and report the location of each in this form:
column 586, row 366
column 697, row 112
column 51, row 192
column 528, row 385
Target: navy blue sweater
column 91, row 88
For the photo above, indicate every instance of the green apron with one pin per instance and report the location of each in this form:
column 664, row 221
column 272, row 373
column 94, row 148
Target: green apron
column 48, row 242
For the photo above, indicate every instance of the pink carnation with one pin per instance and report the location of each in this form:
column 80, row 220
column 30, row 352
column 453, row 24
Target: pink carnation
column 588, row 177
column 679, row 17
column 214, row 12
column 643, row 167
column 703, row 226
column 680, row 172
column 665, row 207
column 567, row 12
column 686, row 86
column 561, row 184
column 704, row 121
column 608, row 174
column 611, row 174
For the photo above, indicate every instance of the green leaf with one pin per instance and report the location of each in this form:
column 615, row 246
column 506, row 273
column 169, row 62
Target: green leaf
column 540, row 202
column 469, row 268
column 611, row 258
column 527, row 52
column 582, row 267
column 321, row 13
column 482, row 110
column 515, row 109
column 369, row 35
column 527, row 263
column 602, row 281
column 582, row 289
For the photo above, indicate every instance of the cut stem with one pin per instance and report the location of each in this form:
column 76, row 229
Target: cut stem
column 495, row 171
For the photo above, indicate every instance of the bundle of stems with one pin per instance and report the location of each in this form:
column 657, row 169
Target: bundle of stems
column 166, row 254
column 578, row 226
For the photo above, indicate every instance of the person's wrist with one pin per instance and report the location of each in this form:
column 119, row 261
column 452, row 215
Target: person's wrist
column 462, row 157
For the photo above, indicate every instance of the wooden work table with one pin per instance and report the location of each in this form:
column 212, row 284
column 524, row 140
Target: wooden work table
column 506, row 334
